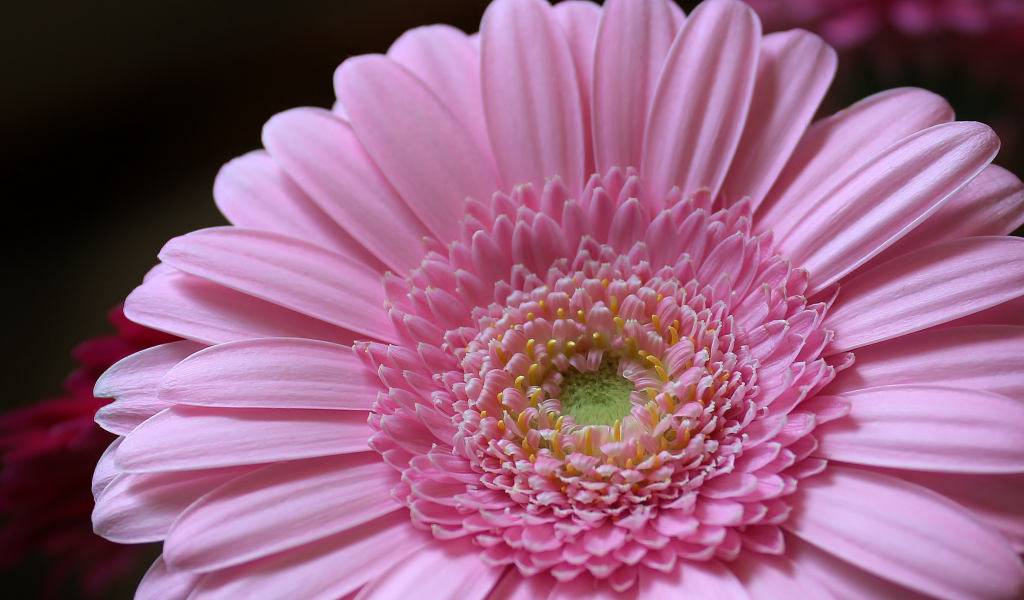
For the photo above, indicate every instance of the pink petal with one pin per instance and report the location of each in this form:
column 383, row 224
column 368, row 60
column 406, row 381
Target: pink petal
column 133, row 382
column 834, row 148
column 253, row 191
column 447, row 61
column 579, row 19
column 184, row 438
column 449, row 570
column 905, row 533
column 793, row 73
column 713, row 65
column 513, row 586
column 322, row 154
column 991, row 204
column 768, row 577
column 200, row 310
column 843, row 579
column 105, row 471
column 531, row 98
column 927, row 428
column 633, row 40
column 279, row 507
column 885, row 198
column 926, row 288
column 273, row 373
column 140, row 507
column 417, row 141
column 161, row 584
column 584, row 587
column 323, row 570
column 982, row 357
column 288, row 272
column 711, row 580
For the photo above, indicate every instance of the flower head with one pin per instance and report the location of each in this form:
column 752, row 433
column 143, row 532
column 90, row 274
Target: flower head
column 572, row 307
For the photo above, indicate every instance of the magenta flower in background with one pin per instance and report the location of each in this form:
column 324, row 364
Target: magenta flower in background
column 581, row 307
column 49, row 451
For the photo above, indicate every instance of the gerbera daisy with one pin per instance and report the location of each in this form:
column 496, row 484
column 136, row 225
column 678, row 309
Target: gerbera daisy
column 49, row 451
column 582, row 307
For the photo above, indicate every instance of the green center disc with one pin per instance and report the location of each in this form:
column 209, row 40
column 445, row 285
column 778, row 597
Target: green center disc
column 598, row 397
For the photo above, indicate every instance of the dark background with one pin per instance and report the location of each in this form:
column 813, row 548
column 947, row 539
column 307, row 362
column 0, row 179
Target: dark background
column 115, row 116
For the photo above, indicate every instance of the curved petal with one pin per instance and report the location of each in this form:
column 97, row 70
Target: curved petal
column 633, row 39
column 446, row 60
column 991, row 204
column 323, row 570
column 884, row 199
column 926, row 288
column 768, row 577
column 449, row 571
column 417, row 142
column 185, row 438
column 140, row 507
column 713, row 65
column 209, row 313
column 531, row 96
column 161, row 584
column 906, row 534
column 273, row 373
column 513, row 586
column 835, row 147
column 585, row 586
column 288, row 272
column 279, row 507
column 105, row 471
column 253, row 191
column 133, row 382
column 322, row 154
column 579, row 19
column 690, row 579
column 983, row 357
column 927, row 428
column 793, row 73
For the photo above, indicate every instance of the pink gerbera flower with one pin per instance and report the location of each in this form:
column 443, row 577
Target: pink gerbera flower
column 570, row 309
column 49, row 451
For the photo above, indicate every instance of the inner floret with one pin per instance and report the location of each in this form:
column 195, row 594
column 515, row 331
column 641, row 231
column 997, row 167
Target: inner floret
column 600, row 397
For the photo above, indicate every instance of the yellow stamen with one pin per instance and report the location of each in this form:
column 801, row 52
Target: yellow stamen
column 653, row 409
column 653, row 393
column 686, row 438
column 614, row 304
column 671, row 402
column 598, row 339
column 530, row 343
column 533, row 458
column 500, row 336
column 501, row 355
column 656, row 320
column 631, row 348
column 639, row 452
column 660, row 298
column 501, row 426
column 588, row 443
column 558, row 423
column 529, row 316
column 581, row 317
column 605, row 282
column 664, row 445
column 653, row 360
column 522, row 422
column 535, row 397
column 571, row 470
column 519, row 383
column 642, row 353
column 619, row 322
column 526, row 447
column 556, row 444
column 561, row 313
column 570, row 348
column 629, row 463
column 661, row 373
column 483, row 414
column 552, row 347
column 674, row 336
column 543, row 306
column 534, row 376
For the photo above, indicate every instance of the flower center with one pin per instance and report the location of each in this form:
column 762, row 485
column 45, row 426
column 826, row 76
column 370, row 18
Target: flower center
column 598, row 397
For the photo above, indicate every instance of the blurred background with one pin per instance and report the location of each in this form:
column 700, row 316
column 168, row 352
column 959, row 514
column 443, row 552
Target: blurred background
column 115, row 116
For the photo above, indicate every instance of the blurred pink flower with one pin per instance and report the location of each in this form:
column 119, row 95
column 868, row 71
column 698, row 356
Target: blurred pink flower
column 49, row 452
column 636, row 383
column 849, row 23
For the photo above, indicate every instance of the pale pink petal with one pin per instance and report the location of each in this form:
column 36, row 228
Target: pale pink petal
column 768, row 577
column 419, row 144
column 140, row 507
column 448, row 62
column 323, row 570
column 926, row 288
column 793, row 73
column 133, row 382
column 105, row 471
column 324, row 156
column 253, row 191
column 709, row 580
column 278, row 269
column 446, row 571
column 633, row 40
column 161, row 584
column 991, row 204
column 579, row 19
column 982, row 357
column 844, row 580
column 200, row 310
column 531, row 98
column 584, row 586
column 513, row 586
column 273, row 373
column 993, row 499
column 185, row 438
column 279, row 507
column 884, row 199
column 713, row 65
column 927, row 428
column 930, row 543
column 834, row 148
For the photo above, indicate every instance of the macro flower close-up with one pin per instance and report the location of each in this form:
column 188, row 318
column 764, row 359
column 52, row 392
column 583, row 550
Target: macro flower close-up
column 585, row 306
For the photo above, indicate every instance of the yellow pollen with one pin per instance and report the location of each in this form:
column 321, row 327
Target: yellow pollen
column 619, row 322
column 614, row 304
column 552, row 347
column 598, row 338
column 581, row 317
column 483, row 414
column 671, row 402
column 661, row 373
column 642, row 353
column 561, row 313
column 676, row 324
column 501, row 426
column 653, row 360
column 675, row 336
column 629, row 463
column 526, row 447
column 519, row 383
column 501, row 355
column 530, row 343
column 534, row 378
column 529, row 316
column 556, row 444
column 686, row 438
column 543, row 306
column 499, row 336
column 660, row 298
column 656, row 320
column 605, row 282
column 558, row 423
column 570, row 348
column 653, row 393
column 522, row 422
column 533, row 458
column 535, row 397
